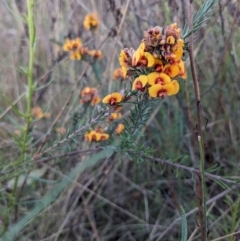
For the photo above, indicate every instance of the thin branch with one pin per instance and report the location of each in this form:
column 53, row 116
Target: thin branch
column 190, row 169
column 200, row 191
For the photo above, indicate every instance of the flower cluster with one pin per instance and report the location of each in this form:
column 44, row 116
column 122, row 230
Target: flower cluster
column 77, row 51
column 154, row 66
column 157, row 60
column 99, row 135
column 89, row 96
column 96, row 135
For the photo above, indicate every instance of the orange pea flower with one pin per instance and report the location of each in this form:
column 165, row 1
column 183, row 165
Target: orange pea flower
column 87, row 90
column 114, row 116
column 140, row 83
column 95, row 100
column 37, row 112
column 92, row 136
column 91, row 21
column 158, row 78
column 113, row 99
column 72, row 45
column 96, row 136
column 120, row 128
column 104, row 136
column 95, row 53
column 89, row 95
column 142, row 58
column 171, row 69
column 158, row 65
column 159, row 90
column 118, row 74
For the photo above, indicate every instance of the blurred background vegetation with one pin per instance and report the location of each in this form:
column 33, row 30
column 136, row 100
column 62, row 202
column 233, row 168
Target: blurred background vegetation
column 107, row 195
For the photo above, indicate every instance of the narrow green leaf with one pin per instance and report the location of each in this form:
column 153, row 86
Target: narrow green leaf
column 19, row 113
column 184, row 225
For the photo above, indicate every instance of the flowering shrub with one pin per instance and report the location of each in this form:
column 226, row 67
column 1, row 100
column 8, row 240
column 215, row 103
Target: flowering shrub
column 157, row 60
column 154, row 67
column 77, row 51
column 95, row 123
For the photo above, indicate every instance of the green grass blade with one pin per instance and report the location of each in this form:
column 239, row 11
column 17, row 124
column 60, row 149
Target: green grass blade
column 184, row 225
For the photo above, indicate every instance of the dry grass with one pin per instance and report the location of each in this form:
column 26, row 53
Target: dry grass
column 118, row 198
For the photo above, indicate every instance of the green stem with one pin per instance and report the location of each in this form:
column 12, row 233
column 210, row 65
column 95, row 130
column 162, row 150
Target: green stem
column 28, row 118
column 204, row 198
column 31, row 32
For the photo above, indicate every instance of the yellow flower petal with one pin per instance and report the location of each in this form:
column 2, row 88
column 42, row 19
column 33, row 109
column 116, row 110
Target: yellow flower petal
column 117, row 96
column 178, row 50
column 104, row 136
column 136, row 57
column 76, row 43
column 171, row 70
column 114, row 116
column 67, row 45
column 154, row 90
column 169, row 89
column 86, row 91
column 124, row 71
column 95, row 53
column 120, row 128
column 158, row 78
column 182, row 71
column 95, row 100
column 170, row 40
column 180, row 43
column 138, row 54
column 75, row 56
column 122, row 58
column 150, row 59
column 96, row 136
column 176, row 87
column 91, row 136
column 106, row 99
